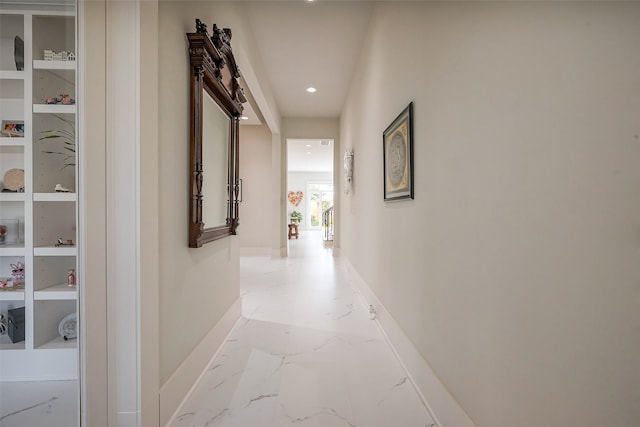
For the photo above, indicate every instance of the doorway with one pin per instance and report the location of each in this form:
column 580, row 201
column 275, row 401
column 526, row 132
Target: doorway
column 309, row 182
column 320, row 200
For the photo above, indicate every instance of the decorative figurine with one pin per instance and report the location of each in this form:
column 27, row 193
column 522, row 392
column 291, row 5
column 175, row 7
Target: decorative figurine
column 65, row 55
column 17, row 271
column 60, row 189
column 64, row 99
column 61, row 243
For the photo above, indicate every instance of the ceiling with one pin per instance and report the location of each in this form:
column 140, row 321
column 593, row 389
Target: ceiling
column 305, row 44
column 309, row 155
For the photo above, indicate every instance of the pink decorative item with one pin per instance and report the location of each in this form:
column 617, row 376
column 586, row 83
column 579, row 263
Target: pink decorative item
column 17, row 271
column 71, row 278
column 295, row 197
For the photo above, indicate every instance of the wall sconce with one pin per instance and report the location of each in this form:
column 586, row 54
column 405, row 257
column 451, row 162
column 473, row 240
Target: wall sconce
column 348, row 170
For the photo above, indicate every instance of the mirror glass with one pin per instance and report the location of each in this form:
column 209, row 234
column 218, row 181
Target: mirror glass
column 215, row 163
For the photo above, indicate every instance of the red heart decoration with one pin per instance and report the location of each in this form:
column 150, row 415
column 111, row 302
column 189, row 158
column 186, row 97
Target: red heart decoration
column 295, row 197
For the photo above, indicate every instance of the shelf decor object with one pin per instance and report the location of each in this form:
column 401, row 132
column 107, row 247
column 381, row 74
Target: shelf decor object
column 8, row 231
column 12, row 129
column 13, row 179
column 397, row 142
column 3, row 324
column 68, row 327
column 18, row 52
column 15, row 324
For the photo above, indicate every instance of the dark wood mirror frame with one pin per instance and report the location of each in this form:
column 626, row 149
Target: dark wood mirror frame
column 214, row 70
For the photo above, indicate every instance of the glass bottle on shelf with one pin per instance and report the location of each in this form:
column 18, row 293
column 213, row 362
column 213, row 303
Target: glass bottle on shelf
column 71, row 277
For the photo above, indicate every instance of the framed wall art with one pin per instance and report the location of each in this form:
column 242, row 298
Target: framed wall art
column 397, row 141
column 12, row 128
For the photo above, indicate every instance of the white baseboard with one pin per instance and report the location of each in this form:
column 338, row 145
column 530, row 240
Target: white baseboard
column 182, row 382
column 444, row 409
column 279, row 252
column 255, row 252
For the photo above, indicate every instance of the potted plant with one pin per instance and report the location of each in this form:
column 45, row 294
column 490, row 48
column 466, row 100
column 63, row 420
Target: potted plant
column 296, row 217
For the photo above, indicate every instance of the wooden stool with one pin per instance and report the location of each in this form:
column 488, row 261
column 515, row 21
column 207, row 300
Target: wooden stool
column 293, row 230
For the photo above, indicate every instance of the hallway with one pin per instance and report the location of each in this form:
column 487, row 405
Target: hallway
column 304, row 353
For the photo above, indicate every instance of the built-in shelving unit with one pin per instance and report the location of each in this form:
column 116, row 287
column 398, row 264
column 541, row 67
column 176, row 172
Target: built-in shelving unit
column 43, row 215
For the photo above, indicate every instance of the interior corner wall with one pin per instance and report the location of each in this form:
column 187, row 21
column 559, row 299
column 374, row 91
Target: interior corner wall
column 197, row 286
column 257, row 188
column 515, row 269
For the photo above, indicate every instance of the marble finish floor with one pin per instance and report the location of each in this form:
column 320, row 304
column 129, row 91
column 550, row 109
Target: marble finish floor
column 39, row 404
column 305, row 353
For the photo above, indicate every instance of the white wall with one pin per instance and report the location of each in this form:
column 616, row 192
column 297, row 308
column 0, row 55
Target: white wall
column 515, row 270
column 197, row 286
column 255, row 170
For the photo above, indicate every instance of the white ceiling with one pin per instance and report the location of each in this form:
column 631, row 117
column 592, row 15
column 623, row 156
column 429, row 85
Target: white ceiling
column 306, row 44
column 309, row 155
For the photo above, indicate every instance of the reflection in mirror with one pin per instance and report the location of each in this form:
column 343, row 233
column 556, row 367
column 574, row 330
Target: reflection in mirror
column 215, row 163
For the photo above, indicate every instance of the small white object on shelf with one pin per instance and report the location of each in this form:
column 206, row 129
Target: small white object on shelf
column 51, row 55
column 60, row 189
column 68, row 327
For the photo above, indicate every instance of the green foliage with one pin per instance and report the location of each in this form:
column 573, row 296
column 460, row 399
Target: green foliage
column 296, row 217
column 68, row 137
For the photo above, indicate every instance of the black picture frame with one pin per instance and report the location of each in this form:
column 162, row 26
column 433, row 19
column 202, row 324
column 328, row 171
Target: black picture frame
column 397, row 144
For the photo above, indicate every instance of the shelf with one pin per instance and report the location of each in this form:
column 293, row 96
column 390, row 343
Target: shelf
column 12, row 75
column 54, row 108
column 12, row 197
column 17, row 141
column 55, row 251
column 6, row 344
column 40, row 64
column 9, row 295
column 54, row 197
column 12, row 250
column 57, row 292
column 44, row 215
column 58, row 343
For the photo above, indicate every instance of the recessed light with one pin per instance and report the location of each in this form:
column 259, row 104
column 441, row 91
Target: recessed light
column 244, row 118
column 308, row 145
column 308, row 152
column 311, row 89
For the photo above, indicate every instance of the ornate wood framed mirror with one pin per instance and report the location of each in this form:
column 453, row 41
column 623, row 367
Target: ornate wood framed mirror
column 216, row 107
